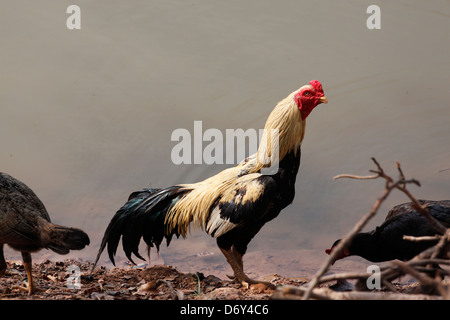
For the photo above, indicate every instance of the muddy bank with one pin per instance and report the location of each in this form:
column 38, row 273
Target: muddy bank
column 71, row 280
column 159, row 282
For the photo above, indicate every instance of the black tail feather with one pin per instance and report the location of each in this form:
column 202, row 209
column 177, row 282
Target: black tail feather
column 142, row 216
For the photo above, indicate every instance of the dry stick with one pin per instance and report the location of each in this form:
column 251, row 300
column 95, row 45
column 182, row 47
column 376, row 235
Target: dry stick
column 442, row 246
column 390, row 185
column 389, row 285
column 343, row 276
column 444, row 242
column 169, row 285
column 287, row 292
column 420, row 208
column 436, row 251
column 420, row 239
column 345, row 242
column 394, row 270
column 423, row 279
column 428, row 261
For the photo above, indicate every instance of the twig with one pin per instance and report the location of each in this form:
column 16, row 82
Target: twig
column 351, row 176
column 345, row 242
column 424, row 212
column 424, row 280
column 390, row 185
column 174, row 295
column 286, row 293
column 364, row 276
column 424, row 261
column 340, row 276
column 407, row 269
column 419, row 239
column 442, row 246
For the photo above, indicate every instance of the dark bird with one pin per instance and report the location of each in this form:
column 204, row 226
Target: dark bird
column 231, row 206
column 25, row 226
column 386, row 241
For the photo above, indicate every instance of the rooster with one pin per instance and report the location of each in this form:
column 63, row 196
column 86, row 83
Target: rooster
column 231, row 206
column 25, row 226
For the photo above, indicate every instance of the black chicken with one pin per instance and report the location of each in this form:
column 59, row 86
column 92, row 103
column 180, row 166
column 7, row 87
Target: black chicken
column 25, row 226
column 386, row 242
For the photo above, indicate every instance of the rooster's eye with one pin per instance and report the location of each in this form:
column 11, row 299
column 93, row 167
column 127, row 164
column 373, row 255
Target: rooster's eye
column 306, row 93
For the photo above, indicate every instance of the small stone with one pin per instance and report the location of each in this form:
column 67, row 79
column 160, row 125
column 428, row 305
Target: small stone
column 227, row 294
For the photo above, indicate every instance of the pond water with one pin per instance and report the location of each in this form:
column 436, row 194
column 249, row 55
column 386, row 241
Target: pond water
column 87, row 115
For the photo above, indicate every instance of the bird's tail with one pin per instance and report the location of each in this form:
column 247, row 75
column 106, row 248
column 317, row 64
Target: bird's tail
column 62, row 239
column 143, row 216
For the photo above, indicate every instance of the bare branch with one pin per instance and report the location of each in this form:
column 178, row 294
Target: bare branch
column 443, row 246
column 175, row 295
column 423, row 278
column 351, row 176
column 395, row 270
column 424, row 261
column 345, row 242
column 287, row 293
column 424, row 212
column 340, row 276
column 424, row 238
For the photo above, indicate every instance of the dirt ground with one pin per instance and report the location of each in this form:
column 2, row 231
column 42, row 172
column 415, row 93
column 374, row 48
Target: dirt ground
column 71, row 280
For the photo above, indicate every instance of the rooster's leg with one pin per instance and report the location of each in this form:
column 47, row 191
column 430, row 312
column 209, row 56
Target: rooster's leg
column 237, row 269
column 234, row 258
column 238, row 258
column 2, row 262
column 31, row 287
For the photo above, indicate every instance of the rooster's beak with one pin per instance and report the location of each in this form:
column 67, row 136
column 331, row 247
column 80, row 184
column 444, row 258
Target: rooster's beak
column 323, row 100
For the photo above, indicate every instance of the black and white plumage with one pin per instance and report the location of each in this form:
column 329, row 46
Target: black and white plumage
column 231, row 206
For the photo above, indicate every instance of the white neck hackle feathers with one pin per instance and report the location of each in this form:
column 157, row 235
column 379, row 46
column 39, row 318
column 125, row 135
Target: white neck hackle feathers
column 195, row 206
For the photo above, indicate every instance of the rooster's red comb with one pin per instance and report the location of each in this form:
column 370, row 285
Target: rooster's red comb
column 316, row 85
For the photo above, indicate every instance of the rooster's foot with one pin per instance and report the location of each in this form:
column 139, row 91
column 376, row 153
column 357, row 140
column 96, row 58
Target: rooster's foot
column 246, row 282
column 29, row 288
